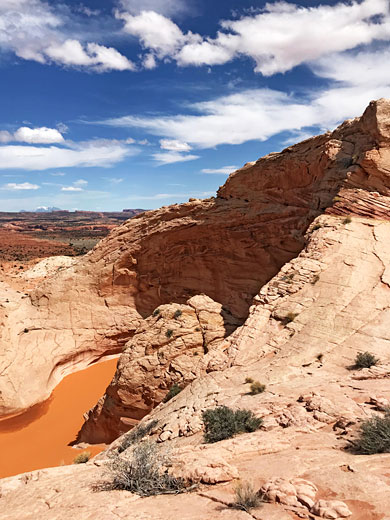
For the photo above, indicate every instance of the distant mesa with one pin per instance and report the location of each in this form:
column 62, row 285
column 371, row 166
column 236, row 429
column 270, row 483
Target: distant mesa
column 41, row 209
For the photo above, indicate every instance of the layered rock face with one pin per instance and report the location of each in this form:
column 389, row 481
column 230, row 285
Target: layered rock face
column 302, row 332
column 175, row 345
column 288, row 187
column 226, row 248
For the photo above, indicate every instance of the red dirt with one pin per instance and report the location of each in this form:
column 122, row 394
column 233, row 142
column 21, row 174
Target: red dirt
column 39, row 438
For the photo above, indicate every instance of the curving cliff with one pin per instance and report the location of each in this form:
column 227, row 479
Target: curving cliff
column 300, row 335
column 225, row 247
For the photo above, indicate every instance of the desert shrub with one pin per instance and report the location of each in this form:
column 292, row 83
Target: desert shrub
column 288, row 318
column 347, row 220
column 174, row 390
column 156, row 312
column 320, row 357
column 315, row 279
column 365, row 360
column 169, row 333
column 223, row 422
column 316, row 226
column 145, row 473
column 246, row 498
column 136, row 434
column 257, row 388
column 82, row 458
column 374, row 435
column 248, row 380
column 177, row 314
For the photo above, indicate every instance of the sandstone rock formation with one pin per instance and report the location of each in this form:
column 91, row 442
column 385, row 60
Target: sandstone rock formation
column 314, row 307
column 175, row 345
column 227, row 248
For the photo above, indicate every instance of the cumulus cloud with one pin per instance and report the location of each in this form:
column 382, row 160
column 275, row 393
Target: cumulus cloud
column 21, row 186
column 94, row 56
column 102, row 153
column 24, row 134
column 155, row 31
column 34, row 30
column 41, row 135
column 172, row 157
column 174, row 145
column 225, row 170
column 279, row 37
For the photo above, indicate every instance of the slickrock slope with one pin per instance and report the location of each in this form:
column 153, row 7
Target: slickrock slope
column 338, row 291
column 226, row 248
column 302, row 331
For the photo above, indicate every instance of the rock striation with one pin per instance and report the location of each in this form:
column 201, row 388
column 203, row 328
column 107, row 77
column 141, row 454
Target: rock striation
column 173, row 346
column 226, row 247
column 316, row 218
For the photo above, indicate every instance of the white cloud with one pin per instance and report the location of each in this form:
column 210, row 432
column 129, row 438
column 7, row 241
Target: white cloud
column 279, row 37
column 233, row 119
column 41, row 135
column 172, row 157
column 149, row 62
column 34, row 30
column 71, row 188
column 156, row 32
column 94, row 56
column 174, row 145
column 258, row 114
column 21, row 186
column 225, row 170
column 58, row 174
column 102, row 153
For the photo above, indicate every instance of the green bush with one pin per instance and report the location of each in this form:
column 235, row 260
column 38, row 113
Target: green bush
column 257, row 388
column 156, row 312
column 174, row 390
column 374, row 435
column 177, row 314
column 347, row 220
column 223, row 422
column 365, row 360
column 142, row 473
column 169, row 333
column 246, row 498
column 248, row 380
column 82, row 458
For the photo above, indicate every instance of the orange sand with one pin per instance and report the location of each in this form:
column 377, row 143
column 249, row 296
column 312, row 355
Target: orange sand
column 39, row 438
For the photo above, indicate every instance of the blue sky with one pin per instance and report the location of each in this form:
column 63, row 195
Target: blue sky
column 112, row 104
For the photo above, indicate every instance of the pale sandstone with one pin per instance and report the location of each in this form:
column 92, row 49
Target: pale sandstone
column 337, row 288
column 331, row 509
column 175, row 345
column 227, row 248
column 294, row 492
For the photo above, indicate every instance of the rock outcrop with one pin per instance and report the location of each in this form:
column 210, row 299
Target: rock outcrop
column 225, row 247
column 175, row 345
column 323, row 206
